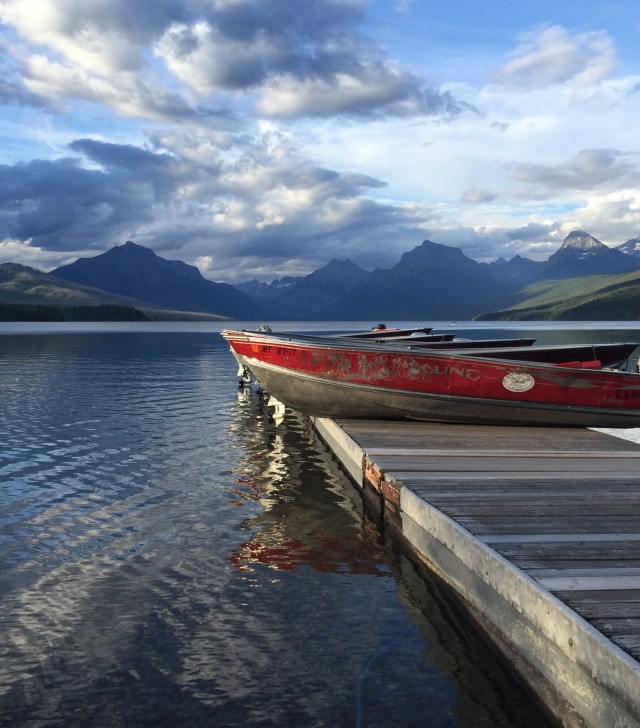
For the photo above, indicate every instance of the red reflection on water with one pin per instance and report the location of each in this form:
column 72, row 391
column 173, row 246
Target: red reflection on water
column 249, row 489
column 323, row 554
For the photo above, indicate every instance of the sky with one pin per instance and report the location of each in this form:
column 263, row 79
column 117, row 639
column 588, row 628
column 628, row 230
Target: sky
column 263, row 138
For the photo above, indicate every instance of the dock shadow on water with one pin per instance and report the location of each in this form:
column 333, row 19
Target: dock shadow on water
column 171, row 558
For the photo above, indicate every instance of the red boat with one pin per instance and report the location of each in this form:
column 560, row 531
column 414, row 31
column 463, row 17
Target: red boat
column 330, row 377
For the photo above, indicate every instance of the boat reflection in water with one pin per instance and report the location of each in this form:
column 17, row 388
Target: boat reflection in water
column 405, row 655
column 290, row 533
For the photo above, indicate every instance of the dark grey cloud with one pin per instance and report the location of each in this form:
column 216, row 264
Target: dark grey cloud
column 312, row 20
column 169, row 106
column 40, row 198
column 15, row 93
column 316, row 38
column 61, row 205
column 305, row 59
column 141, row 20
column 589, row 170
column 477, row 195
column 375, row 94
column 532, row 232
column 125, row 156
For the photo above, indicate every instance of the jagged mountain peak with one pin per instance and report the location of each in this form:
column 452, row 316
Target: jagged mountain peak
column 428, row 255
column 630, row 247
column 346, row 264
column 581, row 240
column 429, row 247
column 582, row 254
column 131, row 247
column 318, row 290
column 339, row 270
column 135, row 251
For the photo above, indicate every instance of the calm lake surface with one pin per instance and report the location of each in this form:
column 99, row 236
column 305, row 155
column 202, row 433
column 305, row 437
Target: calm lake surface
column 170, row 558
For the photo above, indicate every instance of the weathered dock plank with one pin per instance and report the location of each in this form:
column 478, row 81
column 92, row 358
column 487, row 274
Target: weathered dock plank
column 537, row 531
column 537, row 463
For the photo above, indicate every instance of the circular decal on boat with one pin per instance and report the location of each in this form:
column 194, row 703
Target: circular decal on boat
column 518, row 382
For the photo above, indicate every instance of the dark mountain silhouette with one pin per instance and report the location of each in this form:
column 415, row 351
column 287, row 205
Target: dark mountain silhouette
column 308, row 297
column 581, row 255
column 136, row 271
column 516, row 271
column 264, row 294
column 431, row 281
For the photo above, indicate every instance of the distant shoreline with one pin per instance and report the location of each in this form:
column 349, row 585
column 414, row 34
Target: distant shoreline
column 41, row 312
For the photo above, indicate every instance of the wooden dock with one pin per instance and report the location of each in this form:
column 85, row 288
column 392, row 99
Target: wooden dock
column 536, row 531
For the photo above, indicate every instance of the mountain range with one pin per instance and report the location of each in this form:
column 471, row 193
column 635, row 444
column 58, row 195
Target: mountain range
column 584, row 278
column 439, row 282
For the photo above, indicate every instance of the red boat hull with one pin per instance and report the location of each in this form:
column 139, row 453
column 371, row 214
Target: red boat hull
column 318, row 377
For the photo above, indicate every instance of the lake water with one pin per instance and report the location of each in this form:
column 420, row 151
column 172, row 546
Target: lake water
column 171, row 558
